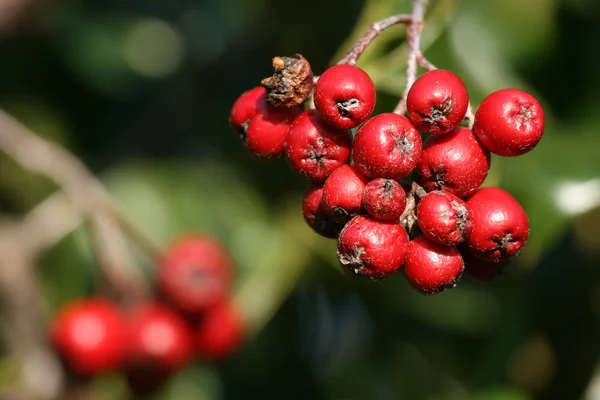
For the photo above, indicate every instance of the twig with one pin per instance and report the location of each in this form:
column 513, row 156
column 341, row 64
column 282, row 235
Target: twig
column 86, row 193
column 413, row 35
column 374, row 30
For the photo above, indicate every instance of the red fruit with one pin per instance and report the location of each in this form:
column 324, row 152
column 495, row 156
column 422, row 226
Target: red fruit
column 195, row 273
column 314, row 148
column 343, row 193
column 455, row 162
column 315, row 215
column 345, row 96
column 437, row 102
column 509, row 122
column 89, row 336
column 159, row 343
column 444, row 218
column 384, row 199
column 430, row 268
column 373, row 249
column 220, row 332
column 386, row 146
column 480, row 269
column 262, row 128
column 500, row 225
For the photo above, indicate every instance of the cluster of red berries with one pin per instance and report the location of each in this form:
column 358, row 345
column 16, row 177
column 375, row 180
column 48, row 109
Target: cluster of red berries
column 193, row 316
column 435, row 228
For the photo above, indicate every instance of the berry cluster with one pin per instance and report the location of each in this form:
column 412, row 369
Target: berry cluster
column 433, row 228
column 149, row 341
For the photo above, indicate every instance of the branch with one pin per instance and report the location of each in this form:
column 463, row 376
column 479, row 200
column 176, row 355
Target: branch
column 83, row 190
column 376, row 28
column 414, row 50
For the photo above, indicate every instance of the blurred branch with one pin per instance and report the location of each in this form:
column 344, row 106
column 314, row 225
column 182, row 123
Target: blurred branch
column 12, row 12
column 86, row 194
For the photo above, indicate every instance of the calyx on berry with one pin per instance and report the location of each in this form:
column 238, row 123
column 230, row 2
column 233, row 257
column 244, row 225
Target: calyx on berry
column 444, row 218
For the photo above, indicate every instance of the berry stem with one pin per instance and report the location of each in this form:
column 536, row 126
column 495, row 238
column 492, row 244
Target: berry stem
column 374, row 30
column 413, row 34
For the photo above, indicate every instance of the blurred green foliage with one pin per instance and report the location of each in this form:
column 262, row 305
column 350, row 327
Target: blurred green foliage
column 141, row 91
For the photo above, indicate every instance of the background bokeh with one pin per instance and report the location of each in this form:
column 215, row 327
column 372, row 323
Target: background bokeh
column 141, row 91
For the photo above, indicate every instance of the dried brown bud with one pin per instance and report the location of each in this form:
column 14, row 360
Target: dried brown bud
column 291, row 83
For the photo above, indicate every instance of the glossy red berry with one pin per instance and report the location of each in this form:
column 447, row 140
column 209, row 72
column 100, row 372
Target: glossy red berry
column 431, row 268
column 373, row 249
column 384, row 199
column 444, row 218
column 455, row 162
column 437, row 102
column 195, row 273
column 343, row 193
column 500, row 225
column 314, row 213
column 386, row 146
column 316, row 149
column 509, row 122
column 159, row 343
column 345, row 96
column 480, row 269
column 90, row 336
column 220, row 332
column 262, row 128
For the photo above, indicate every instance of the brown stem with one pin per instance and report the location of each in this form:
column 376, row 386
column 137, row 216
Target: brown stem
column 414, row 50
column 374, row 30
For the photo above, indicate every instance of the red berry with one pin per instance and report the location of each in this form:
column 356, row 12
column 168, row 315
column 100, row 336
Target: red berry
column 345, row 96
column 430, row 268
column 195, row 273
column 384, row 199
column 316, row 149
column 343, row 193
column 315, row 215
column 480, row 269
column 263, row 128
column 500, row 225
column 89, row 335
column 455, row 162
column 386, row 146
column 444, row 218
column 373, row 249
column 437, row 102
column 509, row 122
column 159, row 343
column 220, row 332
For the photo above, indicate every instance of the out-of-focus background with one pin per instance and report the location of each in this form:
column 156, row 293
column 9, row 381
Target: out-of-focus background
column 140, row 90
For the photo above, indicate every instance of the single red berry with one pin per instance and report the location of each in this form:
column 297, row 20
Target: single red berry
column 444, row 218
column 343, row 193
column 500, row 225
column 480, row 269
column 373, row 249
column 194, row 273
column 159, row 343
column 316, row 149
column 315, row 215
column 455, row 162
column 90, row 336
column 345, row 96
column 384, row 199
column 437, row 102
column 262, row 128
column 431, row 268
column 220, row 332
column 509, row 122
column 386, row 146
